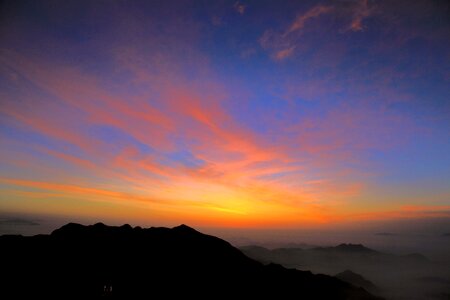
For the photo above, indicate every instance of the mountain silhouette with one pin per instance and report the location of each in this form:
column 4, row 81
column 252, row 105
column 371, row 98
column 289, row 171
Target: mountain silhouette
column 358, row 280
column 348, row 248
column 99, row 261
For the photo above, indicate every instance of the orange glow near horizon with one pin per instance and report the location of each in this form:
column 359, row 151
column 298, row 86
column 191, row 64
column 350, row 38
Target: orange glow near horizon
column 195, row 208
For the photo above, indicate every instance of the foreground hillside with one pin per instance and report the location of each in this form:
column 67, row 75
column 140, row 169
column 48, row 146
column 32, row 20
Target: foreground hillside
column 99, row 261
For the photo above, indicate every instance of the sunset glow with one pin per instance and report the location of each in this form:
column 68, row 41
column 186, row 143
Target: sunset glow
column 226, row 114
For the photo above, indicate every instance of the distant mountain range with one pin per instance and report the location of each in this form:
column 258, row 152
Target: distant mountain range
column 338, row 257
column 99, row 261
column 377, row 272
column 347, row 248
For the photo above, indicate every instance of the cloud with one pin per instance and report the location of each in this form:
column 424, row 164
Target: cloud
column 240, row 7
column 18, row 222
column 360, row 12
column 282, row 43
column 282, row 54
column 301, row 19
column 407, row 212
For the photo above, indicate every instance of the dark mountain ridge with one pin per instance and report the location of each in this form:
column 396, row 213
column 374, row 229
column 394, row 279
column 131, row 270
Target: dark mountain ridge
column 358, row 280
column 97, row 261
column 347, row 248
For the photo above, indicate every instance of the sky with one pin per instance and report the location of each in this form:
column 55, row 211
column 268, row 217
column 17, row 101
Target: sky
column 230, row 114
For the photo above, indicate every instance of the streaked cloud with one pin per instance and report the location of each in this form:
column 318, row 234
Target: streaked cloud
column 282, row 43
column 17, row 222
column 408, row 212
column 361, row 12
column 301, row 19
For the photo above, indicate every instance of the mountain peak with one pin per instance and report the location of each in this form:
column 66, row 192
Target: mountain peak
column 184, row 228
column 67, row 229
column 126, row 227
column 353, row 248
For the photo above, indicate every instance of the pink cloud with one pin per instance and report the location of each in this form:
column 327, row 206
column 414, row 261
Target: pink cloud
column 282, row 54
column 361, row 12
column 282, row 43
column 301, row 19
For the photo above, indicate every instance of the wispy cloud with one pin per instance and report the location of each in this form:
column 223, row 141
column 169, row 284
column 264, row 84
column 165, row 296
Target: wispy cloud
column 18, row 222
column 407, row 212
column 282, row 43
column 282, row 54
column 301, row 19
column 361, row 12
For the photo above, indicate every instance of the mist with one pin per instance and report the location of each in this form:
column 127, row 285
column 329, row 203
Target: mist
column 395, row 260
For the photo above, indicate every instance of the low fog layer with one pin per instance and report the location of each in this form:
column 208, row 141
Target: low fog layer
column 410, row 276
